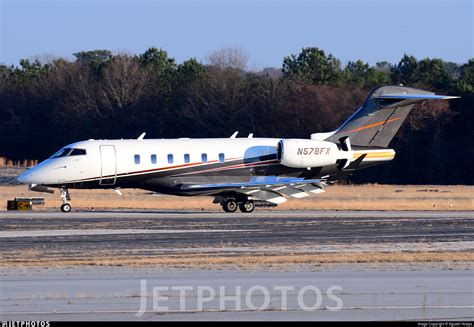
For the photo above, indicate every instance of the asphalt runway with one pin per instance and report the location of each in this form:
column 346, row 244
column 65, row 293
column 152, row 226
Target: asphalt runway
column 384, row 292
column 156, row 233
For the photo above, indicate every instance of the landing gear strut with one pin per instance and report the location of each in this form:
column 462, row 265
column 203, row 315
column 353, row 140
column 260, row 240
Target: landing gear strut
column 65, row 198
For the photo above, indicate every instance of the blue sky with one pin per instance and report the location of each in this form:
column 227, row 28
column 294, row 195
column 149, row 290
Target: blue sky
column 266, row 30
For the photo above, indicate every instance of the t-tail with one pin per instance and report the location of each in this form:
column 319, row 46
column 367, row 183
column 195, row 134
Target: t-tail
column 377, row 121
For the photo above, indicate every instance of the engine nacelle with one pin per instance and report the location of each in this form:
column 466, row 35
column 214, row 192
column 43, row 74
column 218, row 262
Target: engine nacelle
column 302, row 153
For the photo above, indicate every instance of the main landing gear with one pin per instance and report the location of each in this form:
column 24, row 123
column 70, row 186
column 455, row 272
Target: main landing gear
column 248, row 206
column 229, row 205
column 65, row 198
column 232, row 204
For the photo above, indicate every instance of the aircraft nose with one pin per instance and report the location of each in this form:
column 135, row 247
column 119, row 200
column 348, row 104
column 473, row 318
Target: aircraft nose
column 25, row 178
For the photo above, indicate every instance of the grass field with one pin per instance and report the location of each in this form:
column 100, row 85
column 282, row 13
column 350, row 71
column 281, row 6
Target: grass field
column 337, row 197
column 240, row 261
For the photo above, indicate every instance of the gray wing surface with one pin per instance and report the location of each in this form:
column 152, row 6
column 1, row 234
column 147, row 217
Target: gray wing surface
column 272, row 189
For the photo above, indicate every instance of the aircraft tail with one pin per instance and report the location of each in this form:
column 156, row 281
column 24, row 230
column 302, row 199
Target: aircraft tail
column 377, row 121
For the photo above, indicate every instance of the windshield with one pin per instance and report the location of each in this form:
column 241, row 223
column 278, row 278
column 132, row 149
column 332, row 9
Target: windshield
column 61, row 153
column 65, row 152
column 77, row 152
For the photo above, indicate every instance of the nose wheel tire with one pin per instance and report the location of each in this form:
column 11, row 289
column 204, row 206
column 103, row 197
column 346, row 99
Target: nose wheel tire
column 66, row 207
column 247, row 206
column 229, row 206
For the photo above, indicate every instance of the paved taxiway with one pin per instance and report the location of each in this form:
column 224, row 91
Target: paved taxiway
column 387, row 291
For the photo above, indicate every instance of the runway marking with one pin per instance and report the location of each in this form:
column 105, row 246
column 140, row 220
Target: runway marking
column 391, row 307
column 84, row 232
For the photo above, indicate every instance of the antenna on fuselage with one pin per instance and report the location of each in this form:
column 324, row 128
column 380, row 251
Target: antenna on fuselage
column 142, row 136
column 234, row 135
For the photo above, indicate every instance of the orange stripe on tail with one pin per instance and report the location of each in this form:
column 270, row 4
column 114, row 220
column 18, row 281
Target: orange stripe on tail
column 373, row 125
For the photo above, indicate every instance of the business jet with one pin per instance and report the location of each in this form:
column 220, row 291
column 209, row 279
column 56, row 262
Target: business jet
column 240, row 173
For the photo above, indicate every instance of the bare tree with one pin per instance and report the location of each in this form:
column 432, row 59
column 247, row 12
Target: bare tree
column 124, row 83
column 228, row 58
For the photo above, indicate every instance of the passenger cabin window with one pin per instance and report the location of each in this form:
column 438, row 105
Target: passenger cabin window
column 186, row 158
column 153, row 158
column 170, row 158
column 137, row 159
column 204, row 157
column 221, row 157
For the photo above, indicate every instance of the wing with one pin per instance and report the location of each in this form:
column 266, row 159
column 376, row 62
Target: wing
column 272, row 189
column 276, row 189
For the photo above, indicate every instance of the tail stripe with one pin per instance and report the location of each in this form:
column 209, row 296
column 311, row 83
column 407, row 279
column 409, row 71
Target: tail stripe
column 373, row 125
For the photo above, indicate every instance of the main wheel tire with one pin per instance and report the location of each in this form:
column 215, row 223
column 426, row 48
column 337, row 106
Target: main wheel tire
column 66, row 207
column 248, row 206
column 229, row 206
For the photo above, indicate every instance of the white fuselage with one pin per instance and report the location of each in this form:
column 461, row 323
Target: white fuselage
column 119, row 157
column 158, row 164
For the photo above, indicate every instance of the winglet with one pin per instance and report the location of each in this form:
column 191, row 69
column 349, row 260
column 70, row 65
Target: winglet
column 234, row 135
column 142, row 136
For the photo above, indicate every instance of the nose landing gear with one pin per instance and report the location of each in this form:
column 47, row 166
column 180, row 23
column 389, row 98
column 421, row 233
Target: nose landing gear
column 66, row 207
column 65, row 198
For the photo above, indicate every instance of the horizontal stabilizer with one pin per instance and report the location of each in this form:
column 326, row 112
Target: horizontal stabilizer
column 417, row 96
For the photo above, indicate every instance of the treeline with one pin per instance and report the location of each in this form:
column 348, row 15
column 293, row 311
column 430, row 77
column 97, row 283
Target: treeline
column 46, row 105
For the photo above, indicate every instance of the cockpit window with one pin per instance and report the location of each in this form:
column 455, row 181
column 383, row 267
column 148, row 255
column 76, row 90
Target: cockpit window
column 65, row 152
column 62, row 153
column 77, row 152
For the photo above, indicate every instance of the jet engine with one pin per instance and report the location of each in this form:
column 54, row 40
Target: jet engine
column 303, row 153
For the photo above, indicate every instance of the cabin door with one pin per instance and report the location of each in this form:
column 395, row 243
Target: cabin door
column 108, row 171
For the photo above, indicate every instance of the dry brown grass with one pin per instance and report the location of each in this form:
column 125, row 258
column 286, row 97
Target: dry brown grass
column 388, row 197
column 245, row 261
column 337, row 197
